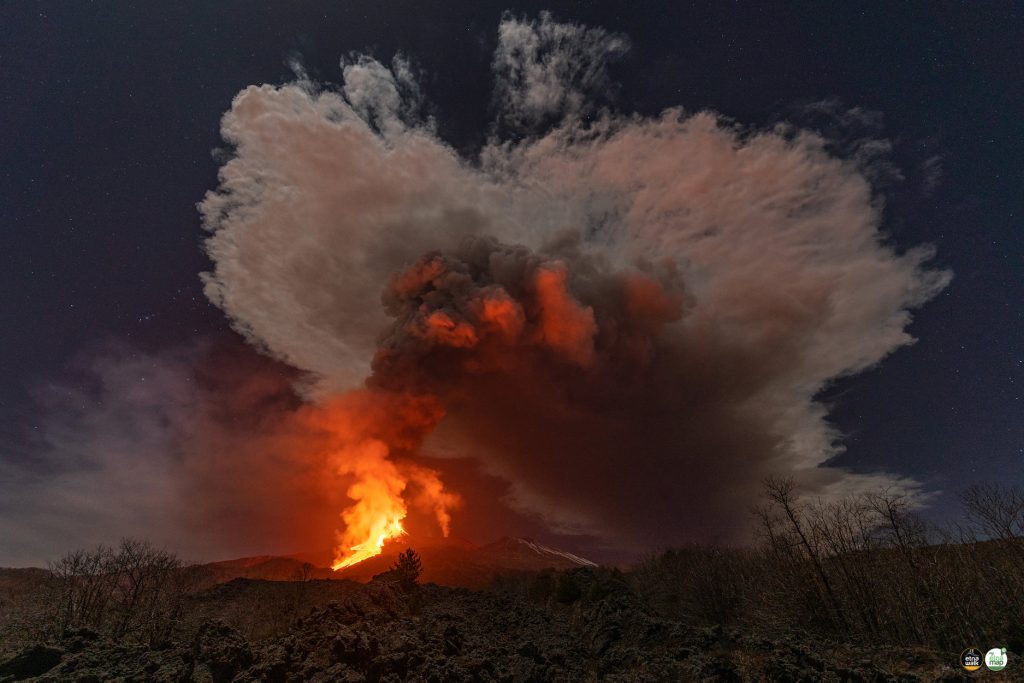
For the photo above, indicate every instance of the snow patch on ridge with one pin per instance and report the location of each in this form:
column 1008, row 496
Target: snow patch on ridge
column 545, row 550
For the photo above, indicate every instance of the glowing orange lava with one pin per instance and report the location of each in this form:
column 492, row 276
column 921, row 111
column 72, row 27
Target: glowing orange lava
column 370, row 548
column 369, row 427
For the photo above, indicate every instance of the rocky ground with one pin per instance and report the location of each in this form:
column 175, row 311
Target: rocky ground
column 378, row 632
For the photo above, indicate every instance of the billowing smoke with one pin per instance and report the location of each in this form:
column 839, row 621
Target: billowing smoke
column 626, row 318
column 207, row 449
column 204, row 449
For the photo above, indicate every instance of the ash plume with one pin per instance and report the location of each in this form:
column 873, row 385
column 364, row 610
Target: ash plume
column 579, row 378
column 627, row 318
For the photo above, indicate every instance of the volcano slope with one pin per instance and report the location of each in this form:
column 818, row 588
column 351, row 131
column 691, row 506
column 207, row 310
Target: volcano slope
column 584, row 624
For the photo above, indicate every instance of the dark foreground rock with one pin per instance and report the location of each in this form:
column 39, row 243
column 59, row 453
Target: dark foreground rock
column 380, row 633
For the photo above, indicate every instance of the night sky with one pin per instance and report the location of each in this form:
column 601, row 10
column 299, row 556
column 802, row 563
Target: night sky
column 110, row 114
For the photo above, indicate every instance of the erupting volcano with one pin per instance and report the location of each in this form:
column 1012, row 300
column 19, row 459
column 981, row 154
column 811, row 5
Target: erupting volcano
column 354, row 289
column 459, row 316
column 381, row 527
column 626, row 320
column 369, row 432
column 379, row 506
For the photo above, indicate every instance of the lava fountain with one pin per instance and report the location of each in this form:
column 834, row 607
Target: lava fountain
column 373, row 435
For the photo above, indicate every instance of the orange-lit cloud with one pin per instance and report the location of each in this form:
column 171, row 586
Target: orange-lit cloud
column 626, row 317
column 565, row 325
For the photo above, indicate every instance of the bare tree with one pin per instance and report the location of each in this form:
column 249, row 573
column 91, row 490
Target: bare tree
column 864, row 568
column 781, row 492
column 133, row 592
column 998, row 512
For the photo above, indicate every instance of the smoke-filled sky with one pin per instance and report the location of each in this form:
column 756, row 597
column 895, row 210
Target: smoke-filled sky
column 584, row 275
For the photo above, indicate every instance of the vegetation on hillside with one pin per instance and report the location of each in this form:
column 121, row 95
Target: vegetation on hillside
column 862, row 572
column 864, row 569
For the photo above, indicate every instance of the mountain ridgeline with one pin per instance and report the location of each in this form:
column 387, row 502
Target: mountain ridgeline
column 446, row 563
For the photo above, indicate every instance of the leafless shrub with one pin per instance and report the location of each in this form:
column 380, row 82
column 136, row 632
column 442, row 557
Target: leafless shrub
column 997, row 513
column 133, row 592
column 304, row 572
column 864, row 569
column 705, row 583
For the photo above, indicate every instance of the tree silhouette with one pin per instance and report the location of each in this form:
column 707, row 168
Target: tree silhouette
column 408, row 568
